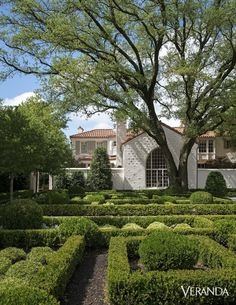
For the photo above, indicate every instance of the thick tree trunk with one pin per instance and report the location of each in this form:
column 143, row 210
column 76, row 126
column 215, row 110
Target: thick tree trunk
column 178, row 176
column 11, row 186
column 183, row 163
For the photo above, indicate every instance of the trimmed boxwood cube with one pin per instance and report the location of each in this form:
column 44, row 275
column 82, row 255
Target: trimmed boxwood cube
column 163, row 250
column 201, row 197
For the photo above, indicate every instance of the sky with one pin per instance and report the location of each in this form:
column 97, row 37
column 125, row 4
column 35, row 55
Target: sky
column 17, row 89
column 20, row 87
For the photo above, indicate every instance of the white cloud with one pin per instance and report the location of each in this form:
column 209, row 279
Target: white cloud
column 18, row 99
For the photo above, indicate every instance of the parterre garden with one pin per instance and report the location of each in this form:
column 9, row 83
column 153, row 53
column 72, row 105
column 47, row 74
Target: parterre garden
column 156, row 243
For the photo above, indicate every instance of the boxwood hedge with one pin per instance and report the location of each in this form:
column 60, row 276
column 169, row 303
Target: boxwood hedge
column 138, row 210
column 126, row 287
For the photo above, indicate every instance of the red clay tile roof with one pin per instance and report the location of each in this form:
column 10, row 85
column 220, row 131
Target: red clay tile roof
column 96, row 133
column 110, row 133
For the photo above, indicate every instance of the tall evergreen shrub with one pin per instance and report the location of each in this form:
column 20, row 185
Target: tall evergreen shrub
column 215, row 184
column 100, row 176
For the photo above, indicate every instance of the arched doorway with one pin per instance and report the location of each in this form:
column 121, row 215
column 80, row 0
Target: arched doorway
column 156, row 170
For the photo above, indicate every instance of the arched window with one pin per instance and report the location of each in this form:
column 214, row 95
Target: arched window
column 156, row 170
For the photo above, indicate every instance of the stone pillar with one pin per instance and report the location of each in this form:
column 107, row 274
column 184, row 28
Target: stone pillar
column 120, row 138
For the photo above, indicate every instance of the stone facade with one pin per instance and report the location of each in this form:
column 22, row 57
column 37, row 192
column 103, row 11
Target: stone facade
column 137, row 150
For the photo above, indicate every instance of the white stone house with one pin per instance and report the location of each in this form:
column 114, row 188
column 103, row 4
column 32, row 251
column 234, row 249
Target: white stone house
column 136, row 159
column 138, row 163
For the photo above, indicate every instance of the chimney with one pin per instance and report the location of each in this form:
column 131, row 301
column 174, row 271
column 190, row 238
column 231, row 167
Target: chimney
column 120, row 138
column 80, row 129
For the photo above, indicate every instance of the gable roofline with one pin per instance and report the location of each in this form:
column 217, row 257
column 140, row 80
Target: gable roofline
column 141, row 132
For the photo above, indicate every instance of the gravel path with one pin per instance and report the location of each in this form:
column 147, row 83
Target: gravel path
column 87, row 285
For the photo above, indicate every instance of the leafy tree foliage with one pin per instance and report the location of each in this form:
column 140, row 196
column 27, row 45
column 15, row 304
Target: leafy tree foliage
column 141, row 59
column 32, row 139
column 73, row 182
column 99, row 176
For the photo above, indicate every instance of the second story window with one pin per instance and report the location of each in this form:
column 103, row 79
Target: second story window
column 87, row 147
column 206, row 149
column 227, row 144
column 210, row 146
column 202, row 146
column 102, row 144
column 77, row 147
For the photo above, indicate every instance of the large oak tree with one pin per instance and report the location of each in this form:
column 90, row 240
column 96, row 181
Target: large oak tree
column 142, row 59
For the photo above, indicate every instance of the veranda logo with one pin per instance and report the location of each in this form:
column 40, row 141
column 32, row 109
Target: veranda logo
column 204, row 291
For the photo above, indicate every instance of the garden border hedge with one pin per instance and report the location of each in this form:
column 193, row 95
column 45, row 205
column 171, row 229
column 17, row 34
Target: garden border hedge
column 232, row 242
column 30, row 238
column 159, row 287
column 60, row 265
column 137, row 210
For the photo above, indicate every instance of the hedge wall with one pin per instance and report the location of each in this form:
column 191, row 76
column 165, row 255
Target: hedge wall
column 54, row 274
column 137, row 210
column 155, row 288
column 30, row 238
column 232, row 242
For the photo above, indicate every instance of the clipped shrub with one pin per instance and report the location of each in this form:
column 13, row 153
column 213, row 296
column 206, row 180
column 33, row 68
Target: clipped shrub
column 232, row 242
column 5, row 264
column 202, row 222
column 52, row 197
column 24, row 270
column 156, row 225
column 108, row 228
column 223, row 228
column 182, row 201
column 137, row 210
column 159, row 199
column 99, row 176
column 201, row 197
column 215, row 184
column 13, row 291
column 81, row 226
column 22, row 214
column 131, row 226
column 39, row 254
column 95, row 198
column 14, row 254
column 222, row 200
column 182, row 226
column 163, row 250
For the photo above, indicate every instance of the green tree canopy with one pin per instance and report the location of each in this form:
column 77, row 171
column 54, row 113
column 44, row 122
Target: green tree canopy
column 141, row 59
column 32, row 139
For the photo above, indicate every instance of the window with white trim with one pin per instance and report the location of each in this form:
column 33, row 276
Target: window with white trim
column 87, row 147
column 227, row 144
column 202, row 146
column 156, row 170
column 206, row 146
column 102, row 144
